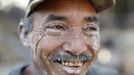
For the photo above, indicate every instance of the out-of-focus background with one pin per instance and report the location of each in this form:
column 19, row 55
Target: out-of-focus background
column 117, row 36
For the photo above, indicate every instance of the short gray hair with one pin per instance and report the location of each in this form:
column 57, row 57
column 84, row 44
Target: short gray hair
column 27, row 23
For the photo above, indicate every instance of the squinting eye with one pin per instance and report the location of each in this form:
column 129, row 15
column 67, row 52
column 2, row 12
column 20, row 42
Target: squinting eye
column 90, row 28
column 56, row 26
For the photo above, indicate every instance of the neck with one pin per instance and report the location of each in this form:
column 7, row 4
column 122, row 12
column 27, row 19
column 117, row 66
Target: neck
column 34, row 69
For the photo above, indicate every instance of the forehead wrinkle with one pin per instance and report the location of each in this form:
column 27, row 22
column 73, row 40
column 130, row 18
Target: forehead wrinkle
column 74, row 12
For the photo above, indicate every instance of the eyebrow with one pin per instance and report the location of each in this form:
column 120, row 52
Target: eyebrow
column 61, row 18
column 55, row 17
column 91, row 18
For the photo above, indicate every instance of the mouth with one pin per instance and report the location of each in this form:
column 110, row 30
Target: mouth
column 71, row 67
column 70, row 63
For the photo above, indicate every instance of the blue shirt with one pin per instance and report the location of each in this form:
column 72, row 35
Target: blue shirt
column 95, row 70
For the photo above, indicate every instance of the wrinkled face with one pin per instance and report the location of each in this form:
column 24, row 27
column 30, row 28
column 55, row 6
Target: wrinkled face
column 65, row 37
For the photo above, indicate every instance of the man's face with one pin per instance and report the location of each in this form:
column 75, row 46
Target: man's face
column 65, row 36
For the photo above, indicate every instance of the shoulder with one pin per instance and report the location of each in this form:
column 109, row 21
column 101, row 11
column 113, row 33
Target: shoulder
column 99, row 70
column 18, row 70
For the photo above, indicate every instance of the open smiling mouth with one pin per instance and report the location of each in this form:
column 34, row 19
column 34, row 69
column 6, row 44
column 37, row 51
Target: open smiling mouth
column 69, row 60
column 70, row 63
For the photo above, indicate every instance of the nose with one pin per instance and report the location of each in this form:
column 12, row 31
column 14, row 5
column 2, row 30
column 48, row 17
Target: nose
column 75, row 46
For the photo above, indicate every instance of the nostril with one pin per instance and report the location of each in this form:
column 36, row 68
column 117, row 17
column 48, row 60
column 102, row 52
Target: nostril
column 69, row 52
column 76, row 47
column 75, row 44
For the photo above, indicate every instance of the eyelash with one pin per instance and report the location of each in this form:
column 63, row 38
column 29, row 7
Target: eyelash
column 90, row 27
column 56, row 26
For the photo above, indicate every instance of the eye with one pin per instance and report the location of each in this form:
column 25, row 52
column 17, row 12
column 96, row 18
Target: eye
column 90, row 27
column 56, row 27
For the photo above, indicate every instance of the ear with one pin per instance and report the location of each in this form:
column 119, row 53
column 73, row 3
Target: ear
column 24, row 34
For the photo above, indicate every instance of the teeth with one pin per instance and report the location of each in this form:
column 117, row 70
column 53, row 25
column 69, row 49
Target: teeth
column 76, row 64
column 80, row 63
column 72, row 64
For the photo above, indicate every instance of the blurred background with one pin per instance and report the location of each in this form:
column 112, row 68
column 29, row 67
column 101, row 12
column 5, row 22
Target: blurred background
column 117, row 36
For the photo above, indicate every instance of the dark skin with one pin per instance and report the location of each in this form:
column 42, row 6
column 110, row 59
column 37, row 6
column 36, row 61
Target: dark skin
column 62, row 29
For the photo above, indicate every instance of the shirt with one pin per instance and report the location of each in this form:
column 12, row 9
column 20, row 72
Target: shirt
column 95, row 70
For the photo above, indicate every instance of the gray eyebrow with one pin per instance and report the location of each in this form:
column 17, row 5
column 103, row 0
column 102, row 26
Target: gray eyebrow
column 91, row 18
column 61, row 18
column 55, row 17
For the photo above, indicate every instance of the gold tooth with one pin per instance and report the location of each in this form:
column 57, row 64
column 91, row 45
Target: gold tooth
column 77, row 63
column 80, row 64
column 67, row 63
column 74, row 64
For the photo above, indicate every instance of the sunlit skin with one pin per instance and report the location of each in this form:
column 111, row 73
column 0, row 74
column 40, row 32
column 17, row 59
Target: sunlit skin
column 66, row 27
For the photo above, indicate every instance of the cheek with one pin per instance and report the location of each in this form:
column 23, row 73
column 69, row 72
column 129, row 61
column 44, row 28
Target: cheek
column 94, row 43
column 46, row 46
column 49, row 45
column 35, row 37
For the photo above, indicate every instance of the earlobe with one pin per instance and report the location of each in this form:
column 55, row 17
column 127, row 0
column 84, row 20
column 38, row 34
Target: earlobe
column 23, row 34
column 26, row 43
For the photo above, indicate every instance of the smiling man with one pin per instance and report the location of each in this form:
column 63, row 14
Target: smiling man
column 63, row 36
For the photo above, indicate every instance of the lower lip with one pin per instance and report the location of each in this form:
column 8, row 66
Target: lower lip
column 71, row 70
